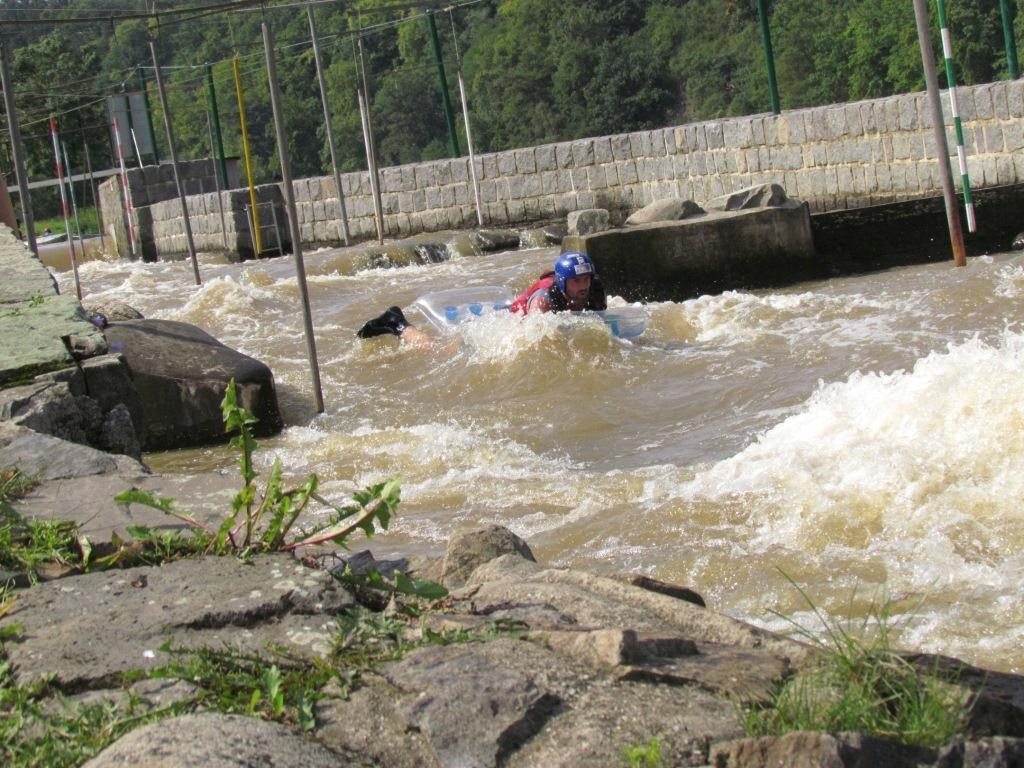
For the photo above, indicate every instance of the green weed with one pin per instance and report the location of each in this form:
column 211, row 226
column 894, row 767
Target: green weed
column 263, row 522
column 37, row 731
column 859, row 683
column 644, row 755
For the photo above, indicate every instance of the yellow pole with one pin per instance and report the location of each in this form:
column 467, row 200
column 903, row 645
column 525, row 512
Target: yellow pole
column 258, row 244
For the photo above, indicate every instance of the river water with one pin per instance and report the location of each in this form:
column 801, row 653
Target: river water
column 862, row 436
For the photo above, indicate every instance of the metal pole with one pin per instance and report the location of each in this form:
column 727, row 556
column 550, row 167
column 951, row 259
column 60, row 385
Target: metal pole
column 954, row 108
column 293, row 217
column 218, row 150
column 168, row 128
column 257, row 243
column 135, row 143
column 472, row 155
column 149, row 120
column 128, row 212
column 769, row 57
column 1010, row 42
column 216, row 183
column 453, row 138
column 74, row 202
column 372, row 158
column 956, row 235
column 95, row 198
column 371, row 165
column 64, row 205
column 16, row 148
column 327, row 123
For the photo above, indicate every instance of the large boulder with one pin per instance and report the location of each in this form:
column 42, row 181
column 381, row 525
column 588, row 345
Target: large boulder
column 588, row 221
column 757, row 196
column 181, row 373
column 672, row 209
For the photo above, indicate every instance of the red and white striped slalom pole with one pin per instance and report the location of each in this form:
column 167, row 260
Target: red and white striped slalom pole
column 64, row 204
column 128, row 212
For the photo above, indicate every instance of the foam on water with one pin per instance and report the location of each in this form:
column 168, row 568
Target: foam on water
column 919, row 473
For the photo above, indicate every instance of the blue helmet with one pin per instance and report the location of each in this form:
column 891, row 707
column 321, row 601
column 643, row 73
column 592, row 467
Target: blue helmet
column 572, row 264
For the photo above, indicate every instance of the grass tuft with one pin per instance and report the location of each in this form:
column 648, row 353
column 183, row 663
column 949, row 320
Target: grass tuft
column 860, row 683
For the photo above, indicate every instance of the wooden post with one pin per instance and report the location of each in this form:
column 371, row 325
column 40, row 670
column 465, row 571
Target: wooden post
column 931, row 78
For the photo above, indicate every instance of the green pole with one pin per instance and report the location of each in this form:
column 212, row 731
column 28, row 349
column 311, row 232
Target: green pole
column 954, row 108
column 453, row 139
column 215, row 120
column 149, row 117
column 1011, row 45
column 769, row 57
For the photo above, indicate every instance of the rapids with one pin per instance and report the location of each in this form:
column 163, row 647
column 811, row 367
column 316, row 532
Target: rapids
column 863, row 436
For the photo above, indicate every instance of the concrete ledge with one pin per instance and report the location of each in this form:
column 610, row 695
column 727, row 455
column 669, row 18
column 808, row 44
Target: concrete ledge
column 676, row 260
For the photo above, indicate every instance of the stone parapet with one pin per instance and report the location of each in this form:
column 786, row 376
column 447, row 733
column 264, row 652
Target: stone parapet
column 835, row 157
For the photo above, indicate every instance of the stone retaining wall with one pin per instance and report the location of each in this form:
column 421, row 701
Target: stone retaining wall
column 834, row 157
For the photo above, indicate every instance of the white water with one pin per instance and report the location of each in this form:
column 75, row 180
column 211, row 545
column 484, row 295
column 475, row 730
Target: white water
column 863, row 436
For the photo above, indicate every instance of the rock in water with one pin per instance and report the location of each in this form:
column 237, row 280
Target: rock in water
column 181, row 373
column 1018, row 242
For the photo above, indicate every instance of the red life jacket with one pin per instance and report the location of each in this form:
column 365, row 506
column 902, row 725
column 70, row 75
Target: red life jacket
column 543, row 283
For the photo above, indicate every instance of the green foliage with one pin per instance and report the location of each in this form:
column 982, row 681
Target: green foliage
column 26, row 544
column 536, row 71
column 860, row 683
column 282, row 688
column 644, row 755
column 267, row 519
column 34, row 732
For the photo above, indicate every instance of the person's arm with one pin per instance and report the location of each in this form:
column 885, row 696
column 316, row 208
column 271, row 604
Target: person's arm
column 539, row 302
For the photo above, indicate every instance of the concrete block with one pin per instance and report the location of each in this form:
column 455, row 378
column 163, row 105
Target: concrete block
column 1013, row 136
column 515, row 187
column 620, row 146
column 835, row 123
column 526, row 161
column 580, row 181
column 682, row 142
column 546, row 158
column 668, row 136
column 854, row 122
column 490, row 163
column 715, row 135
column 516, row 211
column 907, row 113
column 563, row 153
column 565, row 181
column 596, row 177
column 408, row 178
column 424, row 176
column 1000, row 107
column 636, row 145
column 506, row 163
column 993, row 138
column 1004, row 170
column 443, row 171
column 460, row 170
column 1015, row 98
column 532, row 186
column 626, row 172
column 891, row 109
column 583, row 153
column 657, row 142
column 603, row 150
column 983, row 102
column 549, row 182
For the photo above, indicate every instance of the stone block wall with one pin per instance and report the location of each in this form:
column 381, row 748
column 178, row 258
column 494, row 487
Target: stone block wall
column 834, row 157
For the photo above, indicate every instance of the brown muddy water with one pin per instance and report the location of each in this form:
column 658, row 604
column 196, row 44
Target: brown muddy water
column 863, row 436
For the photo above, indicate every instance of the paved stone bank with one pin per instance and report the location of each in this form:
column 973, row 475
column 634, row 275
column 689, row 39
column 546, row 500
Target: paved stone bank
column 834, row 157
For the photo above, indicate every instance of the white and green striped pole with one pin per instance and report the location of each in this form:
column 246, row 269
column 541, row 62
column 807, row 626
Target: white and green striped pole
column 947, row 53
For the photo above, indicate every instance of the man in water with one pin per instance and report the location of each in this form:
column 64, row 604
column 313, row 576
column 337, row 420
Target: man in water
column 572, row 285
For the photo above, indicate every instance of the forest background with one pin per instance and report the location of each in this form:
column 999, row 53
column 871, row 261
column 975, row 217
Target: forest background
column 536, row 71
